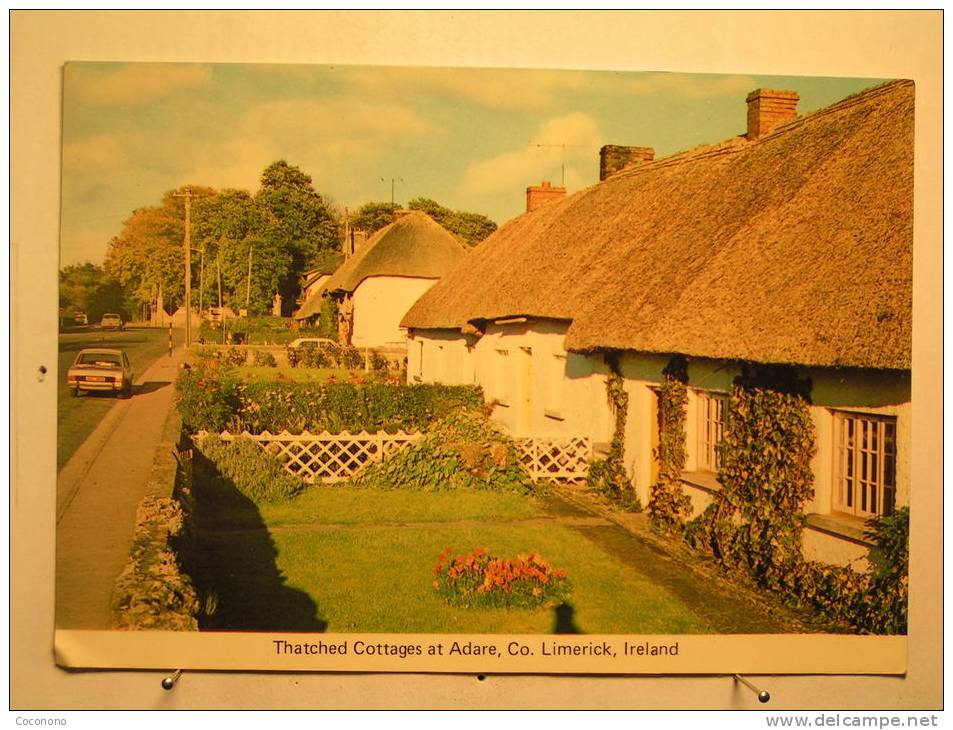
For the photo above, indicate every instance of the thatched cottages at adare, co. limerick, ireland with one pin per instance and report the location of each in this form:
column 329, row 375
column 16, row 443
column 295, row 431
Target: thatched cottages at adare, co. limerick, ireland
column 382, row 278
column 790, row 245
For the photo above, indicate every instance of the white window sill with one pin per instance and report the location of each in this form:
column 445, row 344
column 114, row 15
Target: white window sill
column 705, row 480
column 838, row 524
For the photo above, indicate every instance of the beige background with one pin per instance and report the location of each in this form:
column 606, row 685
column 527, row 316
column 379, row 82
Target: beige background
column 869, row 44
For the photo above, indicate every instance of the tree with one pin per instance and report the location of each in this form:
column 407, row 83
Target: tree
column 89, row 289
column 296, row 220
column 471, row 227
column 228, row 226
column 371, row 217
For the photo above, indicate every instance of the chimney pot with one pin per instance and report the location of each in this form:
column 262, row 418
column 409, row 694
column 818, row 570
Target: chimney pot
column 769, row 109
column 537, row 195
column 613, row 158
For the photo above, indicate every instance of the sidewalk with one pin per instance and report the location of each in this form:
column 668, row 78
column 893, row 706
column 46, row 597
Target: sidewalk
column 97, row 494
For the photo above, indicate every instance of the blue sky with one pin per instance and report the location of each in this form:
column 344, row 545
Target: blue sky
column 472, row 139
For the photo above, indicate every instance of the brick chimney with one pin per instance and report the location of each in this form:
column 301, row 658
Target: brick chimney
column 613, row 158
column 768, row 109
column 537, row 195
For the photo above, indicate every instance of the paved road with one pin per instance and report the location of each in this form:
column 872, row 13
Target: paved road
column 97, row 493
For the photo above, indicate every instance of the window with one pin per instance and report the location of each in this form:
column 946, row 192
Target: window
column 712, row 409
column 501, row 390
column 555, row 386
column 865, row 461
column 419, row 368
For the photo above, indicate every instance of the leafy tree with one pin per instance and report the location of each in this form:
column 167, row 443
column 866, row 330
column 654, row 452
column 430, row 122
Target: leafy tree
column 296, row 220
column 88, row 288
column 471, row 227
column 147, row 255
column 371, row 217
column 227, row 226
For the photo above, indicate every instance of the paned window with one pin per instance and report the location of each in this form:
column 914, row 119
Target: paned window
column 712, row 410
column 865, row 463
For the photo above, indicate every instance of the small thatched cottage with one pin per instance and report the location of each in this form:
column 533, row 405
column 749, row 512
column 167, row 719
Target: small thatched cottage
column 790, row 244
column 380, row 281
column 312, row 287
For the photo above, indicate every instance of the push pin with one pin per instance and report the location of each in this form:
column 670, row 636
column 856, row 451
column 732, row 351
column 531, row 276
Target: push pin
column 763, row 696
column 169, row 682
column 41, row 373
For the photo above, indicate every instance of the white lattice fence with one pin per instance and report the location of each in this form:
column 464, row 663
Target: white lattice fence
column 327, row 457
column 558, row 459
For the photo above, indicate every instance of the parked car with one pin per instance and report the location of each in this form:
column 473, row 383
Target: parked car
column 96, row 369
column 312, row 342
column 80, row 318
column 111, row 322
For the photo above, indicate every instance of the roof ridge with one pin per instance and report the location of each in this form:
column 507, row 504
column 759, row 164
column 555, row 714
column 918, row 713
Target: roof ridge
column 724, row 147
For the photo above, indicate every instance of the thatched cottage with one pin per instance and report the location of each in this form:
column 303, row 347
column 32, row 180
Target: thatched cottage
column 790, row 244
column 312, row 287
column 380, row 281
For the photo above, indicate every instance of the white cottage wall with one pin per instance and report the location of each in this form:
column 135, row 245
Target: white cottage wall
column 380, row 302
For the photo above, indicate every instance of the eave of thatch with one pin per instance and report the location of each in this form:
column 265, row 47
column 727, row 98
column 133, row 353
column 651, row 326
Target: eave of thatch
column 412, row 246
column 796, row 248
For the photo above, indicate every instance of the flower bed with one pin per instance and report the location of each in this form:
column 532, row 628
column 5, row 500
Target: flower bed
column 478, row 579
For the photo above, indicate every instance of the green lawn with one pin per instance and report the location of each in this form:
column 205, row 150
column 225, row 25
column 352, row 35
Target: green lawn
column 343, row 559
column 77, row 417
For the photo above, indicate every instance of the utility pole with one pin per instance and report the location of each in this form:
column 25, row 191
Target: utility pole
column 251, row 247
column 392, row 180
column 188, row 264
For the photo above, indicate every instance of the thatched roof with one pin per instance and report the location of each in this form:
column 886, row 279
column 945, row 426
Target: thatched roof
column 311, row 307
column 794, row 248
column 414, row 246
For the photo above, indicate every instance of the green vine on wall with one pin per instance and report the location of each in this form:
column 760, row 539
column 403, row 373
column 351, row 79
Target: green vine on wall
column 756, row 521
column 669, row 506
column 609, row 476
column 757, row 518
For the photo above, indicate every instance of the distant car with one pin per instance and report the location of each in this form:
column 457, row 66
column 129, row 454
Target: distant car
column 80, row 318
column 103, row 370
column 312, row 342
column 111, row 322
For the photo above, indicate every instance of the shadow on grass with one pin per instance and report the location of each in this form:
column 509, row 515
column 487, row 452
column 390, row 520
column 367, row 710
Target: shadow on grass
column 236, row 563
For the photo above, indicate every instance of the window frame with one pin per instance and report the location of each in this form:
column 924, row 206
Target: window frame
column 707, row 453
column 855, row 488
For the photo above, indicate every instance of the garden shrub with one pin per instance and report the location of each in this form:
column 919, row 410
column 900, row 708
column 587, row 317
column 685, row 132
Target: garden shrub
column 207, row 395
column 263, row 358
column 378, row 361
column 463, row 450
column 336, row 407
column 480, row 580
column 350, row 357
column 252, row 471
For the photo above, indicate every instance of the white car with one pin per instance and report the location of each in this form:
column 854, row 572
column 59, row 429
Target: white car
column 111, row 322
column 100, row 370
column 312, row 342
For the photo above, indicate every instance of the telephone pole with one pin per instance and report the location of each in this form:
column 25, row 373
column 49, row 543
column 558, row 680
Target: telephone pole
column 188, row 195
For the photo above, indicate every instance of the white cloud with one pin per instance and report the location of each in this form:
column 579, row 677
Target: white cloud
column 132, row 83
column 571, row 140
column 502, row 89
column 98, row 154
column 692, row 86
